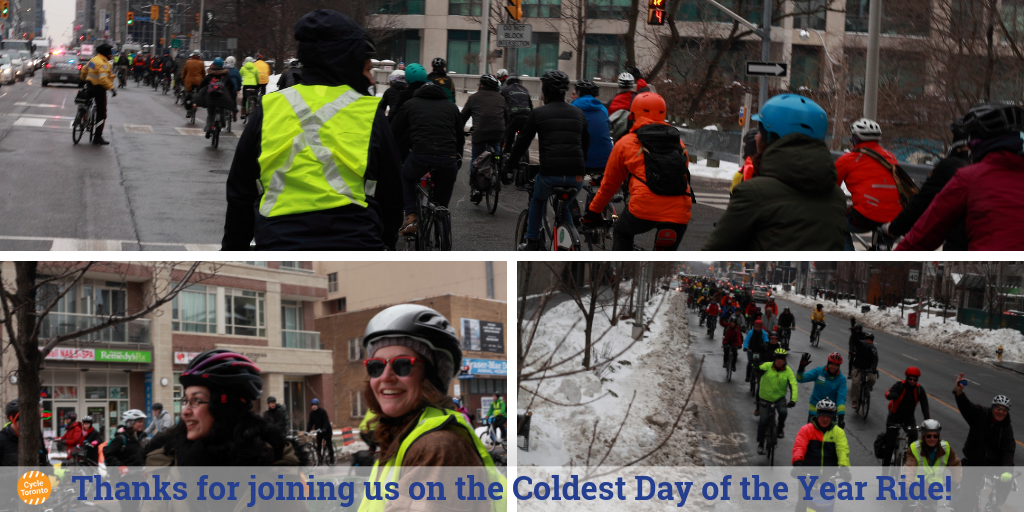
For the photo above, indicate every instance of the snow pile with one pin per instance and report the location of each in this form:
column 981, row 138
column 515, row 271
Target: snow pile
column 724, row 171
column 951, row 337
column 654, row 370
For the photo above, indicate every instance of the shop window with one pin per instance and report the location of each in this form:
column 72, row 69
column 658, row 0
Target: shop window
column 464, row 51
column 356, row 352
column 243, row 313
column 536, row 60
column 332, row 282
column 608, row 9
column 179, row 393
column 195, row 310
column 358, row 407
column 95, row 392
column 464, row 8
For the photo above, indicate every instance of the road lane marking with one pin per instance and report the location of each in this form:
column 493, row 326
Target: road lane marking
column 911, row 358
column 192, row 131
column 138, row 128
column 80, row 244
column 30, row 121
column 933, row 397
column 35, row 105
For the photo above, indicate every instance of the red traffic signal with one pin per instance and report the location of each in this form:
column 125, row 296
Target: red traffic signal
column 656, row 12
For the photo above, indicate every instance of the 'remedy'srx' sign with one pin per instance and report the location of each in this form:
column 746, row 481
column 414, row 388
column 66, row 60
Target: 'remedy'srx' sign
column 99, row 355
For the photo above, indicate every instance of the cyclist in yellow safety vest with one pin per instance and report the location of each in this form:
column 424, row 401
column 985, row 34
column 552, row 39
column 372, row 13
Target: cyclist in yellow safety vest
column 264, row 70
column 413, row 354
column 366, row 428
column 316, row 167
column 930, row 456
column 98, row 78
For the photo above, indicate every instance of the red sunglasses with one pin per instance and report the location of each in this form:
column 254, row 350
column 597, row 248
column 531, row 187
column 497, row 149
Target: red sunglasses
column 401, row 365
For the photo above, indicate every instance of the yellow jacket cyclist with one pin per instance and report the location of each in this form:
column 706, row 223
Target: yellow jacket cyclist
column 99, row 77
column 316, row 167
column 413, row 354
column 776, row 377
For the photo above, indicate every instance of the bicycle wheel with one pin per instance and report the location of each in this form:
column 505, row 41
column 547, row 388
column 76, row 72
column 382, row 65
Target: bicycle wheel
column 865, row 400
column 492, row 203
column 441, row 231
column 487, row 440
column 728, row 368
column 524, row 217
column 91, row 123
column 194, row 112
column 78, row 127
column 771, row 439
column 215, row 139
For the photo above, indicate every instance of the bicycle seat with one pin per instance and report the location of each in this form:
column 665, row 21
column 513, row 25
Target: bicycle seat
column 564, row 192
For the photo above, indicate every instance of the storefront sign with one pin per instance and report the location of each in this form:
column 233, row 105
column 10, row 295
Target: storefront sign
column 149, row 394
column 483, row 336
column 99, row 355
column 184, row 357
column 484, row 367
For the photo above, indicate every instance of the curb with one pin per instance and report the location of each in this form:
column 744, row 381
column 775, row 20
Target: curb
column 1012, row 369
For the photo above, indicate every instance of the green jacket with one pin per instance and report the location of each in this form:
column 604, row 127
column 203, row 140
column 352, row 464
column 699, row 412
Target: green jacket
column 250, row 75
column 773, row 383
column 497, row 408
column 793, row 204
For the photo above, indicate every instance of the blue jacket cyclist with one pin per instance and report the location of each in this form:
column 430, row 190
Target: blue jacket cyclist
column 316, row 167
column 829, row 383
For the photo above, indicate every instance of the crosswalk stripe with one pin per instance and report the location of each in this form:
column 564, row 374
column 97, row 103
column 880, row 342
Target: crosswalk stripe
column 84, row 244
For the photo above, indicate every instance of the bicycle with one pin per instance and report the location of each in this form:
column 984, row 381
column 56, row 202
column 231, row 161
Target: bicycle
column 597, row 237
column 864, row 397
column 880, row 240
column 137, row 76
column 816, row 333
column 491, row 438
column 166, row 84
column 711, row 327
column 435, row 222
column 771, row 434
column 730, row 362
column 994, row 502
column 122, row 78
column 755, row 382
column 306, row 444
column 899, row 455
column 190, row 107
column 250, row 104
column 784, row 334
column 85, row 119
column 564, row 237
column 218, row 124
column 179, row 93
column 488, row 172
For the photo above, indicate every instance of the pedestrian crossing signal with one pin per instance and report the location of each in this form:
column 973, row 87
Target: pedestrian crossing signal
column 131, row 17
column 655, row 12
column 154, row 13
column 197, row 19
column 4, row 8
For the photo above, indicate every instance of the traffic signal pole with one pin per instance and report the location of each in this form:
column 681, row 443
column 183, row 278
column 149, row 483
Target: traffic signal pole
column 202, row 14
column 485, row 33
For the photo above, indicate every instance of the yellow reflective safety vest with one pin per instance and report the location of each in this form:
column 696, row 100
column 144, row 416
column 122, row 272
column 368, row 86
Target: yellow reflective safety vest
column 314, row 149
column 369, row 422
column 931, row 473
column 432, row 419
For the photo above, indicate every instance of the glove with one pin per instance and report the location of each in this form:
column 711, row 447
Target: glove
column 458, row 162
column 842, row 424
column 796, row 472
column 113, row 93
column 94, row 443
column 844, row 473
column 592, row 218
column 1005, row 477
column 791, row 404
column 123, row 470
column 804, row 361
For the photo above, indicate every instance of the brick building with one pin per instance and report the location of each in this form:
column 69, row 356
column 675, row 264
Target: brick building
column 260, row 309
column 480, row 323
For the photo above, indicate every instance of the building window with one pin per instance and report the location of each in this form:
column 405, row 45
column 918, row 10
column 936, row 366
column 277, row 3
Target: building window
column 404, row 46
column 608, row 9
column 179, row 393
column 542, row 8
column 603, row 56
column 195, row 310
column 255, row 263
column 487, row 386
column 358, row 407
column 355, row 349
column 295, row 401
column 806, row 67
column 332, row 282
column 464, row 51
column 809, row 14
column 294, row 266
column 541, row 57
column 464, row 8
column 340, row 305
column 401, row 7
column 243, row 313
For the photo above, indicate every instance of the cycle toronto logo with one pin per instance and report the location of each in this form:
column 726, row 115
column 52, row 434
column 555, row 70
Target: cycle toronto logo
column 34, row 487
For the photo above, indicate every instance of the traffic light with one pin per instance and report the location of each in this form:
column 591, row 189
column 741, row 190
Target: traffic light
column 154, row 13
column 656, row 12
column 515, row 9
column 4, row 8
column 197, row 19
column 167, row 15
column 131, row 17
column 161, row 41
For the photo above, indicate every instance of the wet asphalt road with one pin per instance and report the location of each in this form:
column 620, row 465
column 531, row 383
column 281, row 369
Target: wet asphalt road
column 161, row 186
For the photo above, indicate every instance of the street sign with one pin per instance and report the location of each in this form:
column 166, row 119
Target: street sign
column 914, row 275
column 766, row 69
column 87, row 49
column 175, row 43
column 922, row 292
column 515, row 35
column 232, row 43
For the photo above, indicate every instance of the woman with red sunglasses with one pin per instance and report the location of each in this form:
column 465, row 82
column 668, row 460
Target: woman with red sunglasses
column 413, row 354
column 930, row 456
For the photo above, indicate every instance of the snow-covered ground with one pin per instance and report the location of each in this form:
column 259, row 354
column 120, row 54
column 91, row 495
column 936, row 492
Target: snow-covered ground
column 724, row 171
column 655, row 369
column 949, row 336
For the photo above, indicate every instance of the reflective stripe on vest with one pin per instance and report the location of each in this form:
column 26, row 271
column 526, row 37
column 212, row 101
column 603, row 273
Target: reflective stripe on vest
column 931, row 473
column 431, row 420
column 314, row 157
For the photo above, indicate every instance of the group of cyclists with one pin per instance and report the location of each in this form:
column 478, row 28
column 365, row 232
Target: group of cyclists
column 822, row 443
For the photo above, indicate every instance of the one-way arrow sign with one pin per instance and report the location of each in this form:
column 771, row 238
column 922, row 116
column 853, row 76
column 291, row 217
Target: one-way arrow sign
column 766, row 69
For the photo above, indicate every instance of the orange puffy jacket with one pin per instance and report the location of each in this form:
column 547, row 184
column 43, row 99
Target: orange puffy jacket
column 871, row 185
column 627, row 158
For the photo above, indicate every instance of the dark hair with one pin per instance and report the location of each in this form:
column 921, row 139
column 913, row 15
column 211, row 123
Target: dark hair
column 239, row 437
column 389, row 429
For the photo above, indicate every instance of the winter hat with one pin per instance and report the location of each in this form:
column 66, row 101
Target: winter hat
column 439, row 369
column 218, row 63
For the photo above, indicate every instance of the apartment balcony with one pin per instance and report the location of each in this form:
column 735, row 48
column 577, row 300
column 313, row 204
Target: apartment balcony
column 309, row 340
column 59, row 324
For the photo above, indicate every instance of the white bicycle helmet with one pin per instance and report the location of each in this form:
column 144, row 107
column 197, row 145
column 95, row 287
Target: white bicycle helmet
column 250, row 59
column 626, row 81
column 502, row 74
column 825, row 406
column 397, row 75
column 931, row 426
column 866, row 129
column 131, row 415
column 1002, row 400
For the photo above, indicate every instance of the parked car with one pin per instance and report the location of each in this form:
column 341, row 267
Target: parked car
column 18, row 64
column 7, row 73
column 761, row 293
column 63, row 70
column 26, row 57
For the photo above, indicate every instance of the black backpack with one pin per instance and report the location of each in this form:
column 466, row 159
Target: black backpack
column 667, row 171
column 216, row 87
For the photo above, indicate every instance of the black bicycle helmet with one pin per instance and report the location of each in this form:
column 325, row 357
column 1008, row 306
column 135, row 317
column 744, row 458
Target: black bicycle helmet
column 438, row 63
column 586, row 87
column 421, row 323
column 869, row 336
column 555, row 79
column 227, row 372
column 71, row 415
column 991, row 119
column 490, row 82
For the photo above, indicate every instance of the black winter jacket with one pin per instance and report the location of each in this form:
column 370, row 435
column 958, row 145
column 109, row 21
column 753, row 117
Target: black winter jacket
column 390, row 98
column 447, row 85
column 943, row 171
column 290, row 77
column 988, row 443
column 350, row 227
column 277, row 417
column 429, row 124
column 9, row 448
column 517, row 98
column 786, row 320
column 318, row 420
column 564, row 139
column 906, row 403
column 92, row 453
column 865, row 358
column 489, row 114
column 227, row 98
column 124, row 449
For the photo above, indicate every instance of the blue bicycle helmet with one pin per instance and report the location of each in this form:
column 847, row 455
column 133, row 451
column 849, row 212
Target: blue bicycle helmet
column 791, row 113
column 415, row 73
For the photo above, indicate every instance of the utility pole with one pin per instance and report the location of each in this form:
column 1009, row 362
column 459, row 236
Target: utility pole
column 871, row 72
column 485, row 33
column 202, row 15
